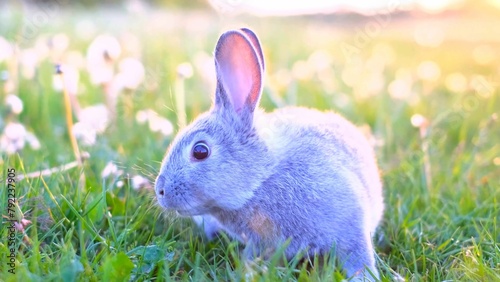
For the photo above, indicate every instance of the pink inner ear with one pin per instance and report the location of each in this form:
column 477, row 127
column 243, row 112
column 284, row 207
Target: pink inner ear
column 256, row 45
column 238, row 69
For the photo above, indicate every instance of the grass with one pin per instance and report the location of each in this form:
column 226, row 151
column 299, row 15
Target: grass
column 442, row 183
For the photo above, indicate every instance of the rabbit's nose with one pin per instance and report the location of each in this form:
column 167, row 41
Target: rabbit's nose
column 159, row 186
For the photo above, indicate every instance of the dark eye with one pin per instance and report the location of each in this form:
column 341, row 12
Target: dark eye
column 201, row 151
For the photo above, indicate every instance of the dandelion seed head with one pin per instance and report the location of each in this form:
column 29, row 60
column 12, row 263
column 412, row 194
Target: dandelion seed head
column 162, row 125
column 142, row 116
column 104, row 47
column 418, row 120
column 67, row 77
column 14, row 103
column 14, row 131
column 156, row 123
column 101, row 52
column 111, row 170
column 86, row 134
column 139, row 182
column 185, row 70
column 13, row 138
column 33, row 141
column 95, row 117
column 132, row 73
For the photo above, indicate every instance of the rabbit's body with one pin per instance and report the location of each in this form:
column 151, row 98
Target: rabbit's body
column 311, row 202
column 295, row 174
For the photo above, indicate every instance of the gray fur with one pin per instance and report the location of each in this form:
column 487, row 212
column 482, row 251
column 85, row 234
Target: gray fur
column 296, row 173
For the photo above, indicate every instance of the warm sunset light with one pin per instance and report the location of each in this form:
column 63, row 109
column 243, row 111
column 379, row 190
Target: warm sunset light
column 250, row 140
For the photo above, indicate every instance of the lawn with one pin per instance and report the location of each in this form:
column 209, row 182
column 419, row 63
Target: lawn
column 424, row 87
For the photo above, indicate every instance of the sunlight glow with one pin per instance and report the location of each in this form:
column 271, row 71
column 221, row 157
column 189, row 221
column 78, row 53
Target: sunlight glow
column 287, row 8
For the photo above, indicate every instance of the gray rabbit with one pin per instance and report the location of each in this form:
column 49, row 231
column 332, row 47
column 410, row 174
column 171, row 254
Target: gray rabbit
column 295, row 174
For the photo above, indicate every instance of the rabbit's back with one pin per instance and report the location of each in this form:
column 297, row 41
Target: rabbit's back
column 329, row 146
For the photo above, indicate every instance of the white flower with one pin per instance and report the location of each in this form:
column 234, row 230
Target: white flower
column 14, row 131
column 131, row 73
column 111, row 170
column 101, row 74
column 159, row 124
column 95, row 117
column 155, row 122
column 101, row 52
column 14, row 138
column 418, row 120
column 33, row 141
column 104, row 47
column 185, row 70
column 143, row 116
column 71, row 78
column 15, row 104
column 86, row 134
column 139, row 182
column 91, row 121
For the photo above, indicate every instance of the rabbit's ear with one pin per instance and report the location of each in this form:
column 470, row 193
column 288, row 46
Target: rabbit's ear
column 239, row 73
column 256, row 45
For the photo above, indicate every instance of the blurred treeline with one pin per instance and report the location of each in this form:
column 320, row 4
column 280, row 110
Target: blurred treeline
column 94, row 3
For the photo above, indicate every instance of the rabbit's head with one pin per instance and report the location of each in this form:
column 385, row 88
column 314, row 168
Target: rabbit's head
column 218, row 161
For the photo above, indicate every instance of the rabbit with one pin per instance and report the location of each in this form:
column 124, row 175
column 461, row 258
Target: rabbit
column 296, row 175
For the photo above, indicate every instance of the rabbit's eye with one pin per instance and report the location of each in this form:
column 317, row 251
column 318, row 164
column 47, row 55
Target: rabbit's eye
column 201, row 151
